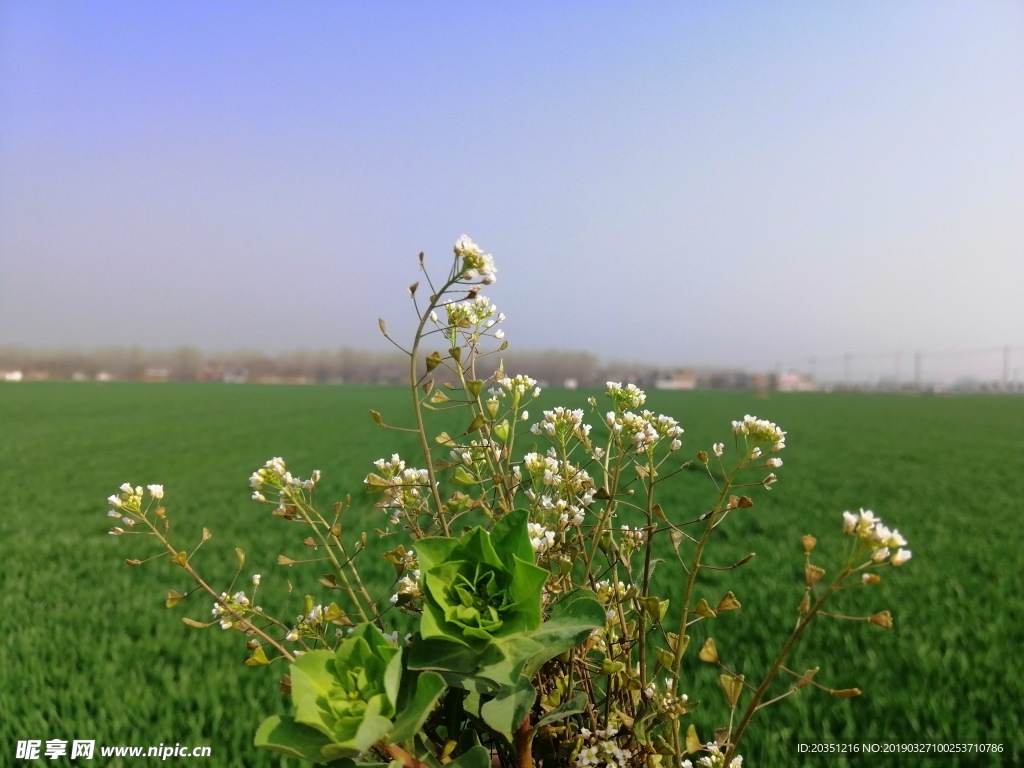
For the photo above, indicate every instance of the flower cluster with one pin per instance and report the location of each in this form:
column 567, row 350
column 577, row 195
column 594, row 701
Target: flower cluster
column 561, row 424
column 474, row 262
column 517, row 386
column 477, row 314
column 632, row 538
column 520, row 388
column 408, row 586
column 230, row 608
column 761, row 431
column 645, row 430
column 130, row 499
column 402, row 487
column 559, row 491
column 475, row 455
column 601, row 749
column 625, row 397
column 128, row 504
column 715, row 759
column 541, row 539
column 274, row 474
column 307, row 624
column 610, row 595
column 872, row 533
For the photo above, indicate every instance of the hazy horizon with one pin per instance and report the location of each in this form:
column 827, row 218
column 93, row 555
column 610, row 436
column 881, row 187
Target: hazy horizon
column 683, row 184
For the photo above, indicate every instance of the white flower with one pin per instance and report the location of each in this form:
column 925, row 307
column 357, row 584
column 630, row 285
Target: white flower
column 901, row 556
column 896, row 539
column 475, row 263
column 718, row 449
column 774, row 462
column 256, row 579
column 849, row 522
column 156, row 491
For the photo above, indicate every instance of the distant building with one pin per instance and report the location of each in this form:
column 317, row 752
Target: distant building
column 681, row 379
column 12, row 375
column 156, row 374
column 797, row 382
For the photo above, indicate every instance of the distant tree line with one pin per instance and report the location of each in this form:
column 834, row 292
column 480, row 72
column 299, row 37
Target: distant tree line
column 345, row 365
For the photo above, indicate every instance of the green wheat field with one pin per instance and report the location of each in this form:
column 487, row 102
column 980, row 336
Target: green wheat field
column 88, row 651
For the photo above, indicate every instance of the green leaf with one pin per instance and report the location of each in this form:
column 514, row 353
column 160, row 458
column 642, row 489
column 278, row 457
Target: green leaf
column 434, row 550
column 461, row 477
column 511, row 537
column 572, row 620
column 284, row 735
column 443, row 654
column 476, row 757
column 312, row 677
column 412, row 713
column 509, row 707
column 573, row 706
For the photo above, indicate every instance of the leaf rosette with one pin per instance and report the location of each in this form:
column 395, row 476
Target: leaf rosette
column 481, row 587
column 351, row 699
column 483, row 613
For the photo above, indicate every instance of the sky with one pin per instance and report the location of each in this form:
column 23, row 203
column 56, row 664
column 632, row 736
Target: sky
column 765, row 185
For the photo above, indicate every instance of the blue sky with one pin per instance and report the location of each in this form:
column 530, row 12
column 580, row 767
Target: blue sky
column 684, row 183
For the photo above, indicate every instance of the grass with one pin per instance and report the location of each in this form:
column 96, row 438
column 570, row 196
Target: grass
column 89, row 652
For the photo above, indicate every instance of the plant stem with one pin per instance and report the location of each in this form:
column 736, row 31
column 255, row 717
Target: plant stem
column 769, row 678
column 524, row 744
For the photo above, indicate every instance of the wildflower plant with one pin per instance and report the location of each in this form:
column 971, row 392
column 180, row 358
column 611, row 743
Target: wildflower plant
column 524, row 549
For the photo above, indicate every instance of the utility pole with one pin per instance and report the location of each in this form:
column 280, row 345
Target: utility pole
column 1006, row 368
column 917, row 371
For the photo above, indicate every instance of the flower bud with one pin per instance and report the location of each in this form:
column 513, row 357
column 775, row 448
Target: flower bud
column 809, row 542
column 883, row 619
